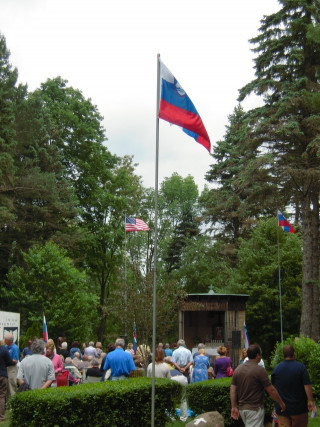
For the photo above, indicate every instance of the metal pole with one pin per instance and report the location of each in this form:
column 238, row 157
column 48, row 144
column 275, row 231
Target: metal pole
column 125, row 275
column 280, row 293
column 125, row 251
column 155, row 246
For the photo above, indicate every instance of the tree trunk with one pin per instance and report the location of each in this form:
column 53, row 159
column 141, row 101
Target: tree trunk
column 315, row 264
column 309, row 325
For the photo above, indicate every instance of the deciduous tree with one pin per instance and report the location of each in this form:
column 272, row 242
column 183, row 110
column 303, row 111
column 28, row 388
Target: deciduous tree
column 49, row 283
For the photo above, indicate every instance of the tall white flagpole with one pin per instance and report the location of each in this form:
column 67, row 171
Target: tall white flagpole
column 125, row 276
column 155, row 245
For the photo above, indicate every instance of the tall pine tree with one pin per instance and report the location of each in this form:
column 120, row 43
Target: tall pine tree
column 241, row 192
column 8, row 89
column 287, row 69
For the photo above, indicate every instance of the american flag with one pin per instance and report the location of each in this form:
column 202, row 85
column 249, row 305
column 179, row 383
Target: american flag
column 135, row 224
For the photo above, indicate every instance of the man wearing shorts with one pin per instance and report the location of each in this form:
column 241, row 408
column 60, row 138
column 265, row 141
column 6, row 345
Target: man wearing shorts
column 248, row 384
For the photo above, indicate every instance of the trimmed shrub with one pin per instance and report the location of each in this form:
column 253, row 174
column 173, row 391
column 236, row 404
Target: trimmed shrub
column 307, row 352
column 214, row 395
column 109, row 403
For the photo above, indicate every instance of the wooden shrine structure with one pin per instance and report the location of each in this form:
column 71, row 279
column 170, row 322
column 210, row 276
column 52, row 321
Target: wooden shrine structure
column 213, row 319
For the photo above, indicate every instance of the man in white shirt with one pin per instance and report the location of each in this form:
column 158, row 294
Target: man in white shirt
column 261, row 363
column 182, row 358
column 91, row 351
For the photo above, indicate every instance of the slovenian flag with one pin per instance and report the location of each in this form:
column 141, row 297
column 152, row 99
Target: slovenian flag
column 177, row 108
column 246, row 341
column 282, row 222
column 45, row 330
column 135, row 341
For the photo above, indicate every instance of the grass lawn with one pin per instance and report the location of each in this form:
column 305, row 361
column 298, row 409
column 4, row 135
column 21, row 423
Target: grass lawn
column 6, row 422
column 312, row 422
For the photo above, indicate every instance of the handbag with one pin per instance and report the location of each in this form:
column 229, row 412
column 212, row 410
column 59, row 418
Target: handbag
column 229, row 369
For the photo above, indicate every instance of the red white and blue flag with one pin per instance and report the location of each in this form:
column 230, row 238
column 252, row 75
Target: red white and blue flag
column 45, row 330
column 135, row 224
column 246, row 341
column 282, row 222
column 135, row 341
column 177, row 108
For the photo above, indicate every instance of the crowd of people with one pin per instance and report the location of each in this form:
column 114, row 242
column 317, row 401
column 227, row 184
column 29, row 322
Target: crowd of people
column 40, row 364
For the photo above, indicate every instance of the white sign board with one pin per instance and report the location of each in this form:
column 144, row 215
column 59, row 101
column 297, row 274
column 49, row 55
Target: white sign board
column 10, row 322
column 209, row 351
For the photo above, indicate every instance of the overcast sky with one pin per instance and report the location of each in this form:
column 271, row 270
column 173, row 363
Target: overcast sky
column 108, row 50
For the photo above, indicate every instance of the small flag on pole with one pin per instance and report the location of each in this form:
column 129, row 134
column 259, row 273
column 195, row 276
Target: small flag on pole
column 177, row 108
column 246, row 341
column 135, row 342
column 135, row 224
column 45, row 330
column 282, row 222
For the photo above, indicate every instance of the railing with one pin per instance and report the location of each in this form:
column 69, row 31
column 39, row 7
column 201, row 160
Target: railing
column 214, row 343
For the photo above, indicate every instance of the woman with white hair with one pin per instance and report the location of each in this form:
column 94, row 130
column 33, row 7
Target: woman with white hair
column 201, row 365
column 64, row 350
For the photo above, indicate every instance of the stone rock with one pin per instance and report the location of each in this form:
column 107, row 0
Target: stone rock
column 208, row 419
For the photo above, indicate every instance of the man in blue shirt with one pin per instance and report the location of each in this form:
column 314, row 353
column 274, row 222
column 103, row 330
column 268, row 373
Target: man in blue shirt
column 291, row 379
column 167, row 350
column 27, row 350
column 14, row 352
column 119, row 361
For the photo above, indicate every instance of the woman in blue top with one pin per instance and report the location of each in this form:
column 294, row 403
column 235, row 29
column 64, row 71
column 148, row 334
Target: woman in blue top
column 201, row 365
column 75, row 349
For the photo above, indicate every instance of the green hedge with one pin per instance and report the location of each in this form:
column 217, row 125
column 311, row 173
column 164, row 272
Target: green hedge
column 214, row 395
column 110, row 403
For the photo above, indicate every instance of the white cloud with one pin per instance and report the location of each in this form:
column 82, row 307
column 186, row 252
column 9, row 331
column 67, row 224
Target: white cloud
column 108, row 48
